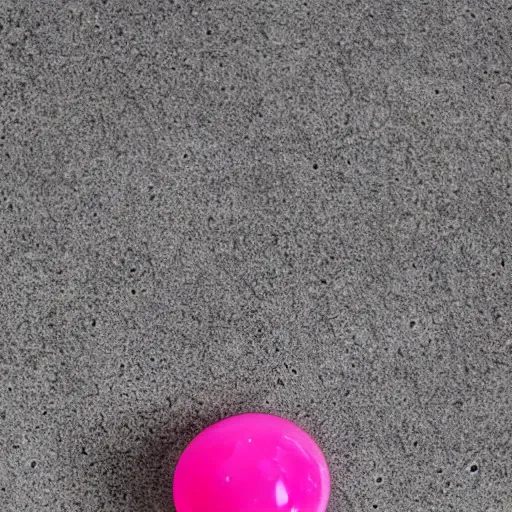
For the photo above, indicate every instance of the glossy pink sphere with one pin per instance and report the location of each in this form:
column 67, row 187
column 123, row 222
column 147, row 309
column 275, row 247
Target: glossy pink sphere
column 252, row 463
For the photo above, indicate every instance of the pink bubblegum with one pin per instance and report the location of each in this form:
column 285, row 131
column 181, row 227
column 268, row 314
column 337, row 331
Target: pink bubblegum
column 252, row 463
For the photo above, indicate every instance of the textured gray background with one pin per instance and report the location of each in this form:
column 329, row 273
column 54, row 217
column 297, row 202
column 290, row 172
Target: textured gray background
column 295, row 207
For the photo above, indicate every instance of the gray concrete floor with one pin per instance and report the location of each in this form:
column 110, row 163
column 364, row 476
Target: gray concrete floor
column 295, row 207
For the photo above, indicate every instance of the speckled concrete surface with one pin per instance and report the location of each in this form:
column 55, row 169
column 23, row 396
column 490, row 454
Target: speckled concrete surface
column 301, row 208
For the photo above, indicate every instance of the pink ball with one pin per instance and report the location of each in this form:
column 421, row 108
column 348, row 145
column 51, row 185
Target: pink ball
column 252, row 463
